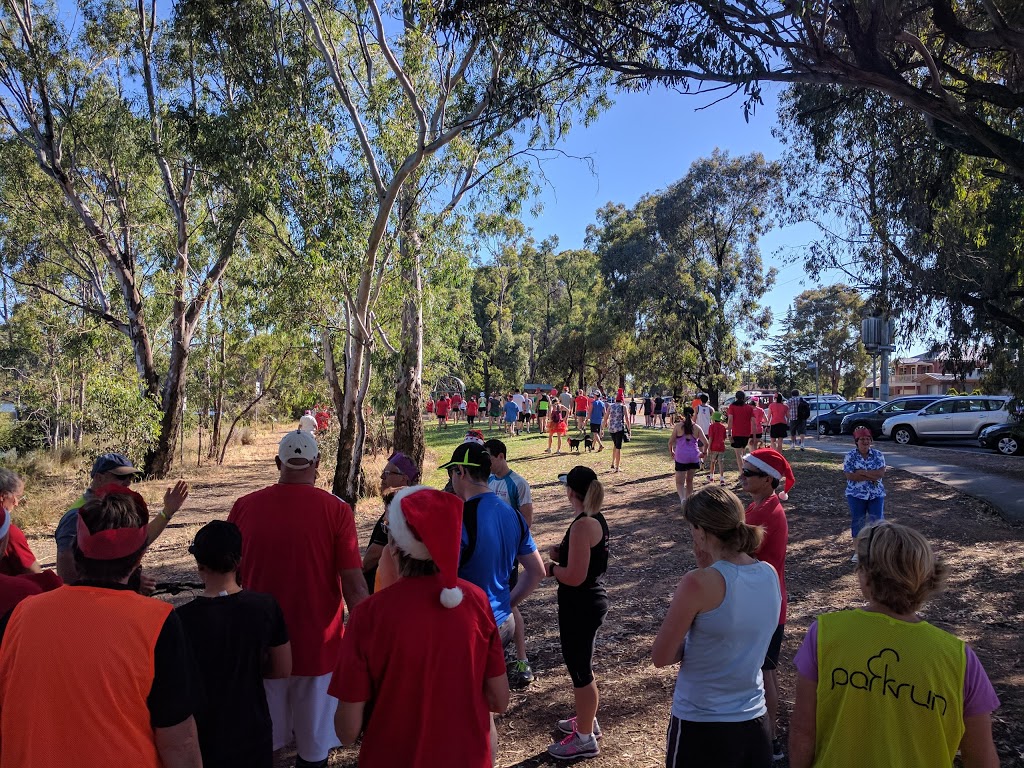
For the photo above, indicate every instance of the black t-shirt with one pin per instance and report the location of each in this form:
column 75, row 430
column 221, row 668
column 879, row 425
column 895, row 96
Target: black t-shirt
column 230, row 638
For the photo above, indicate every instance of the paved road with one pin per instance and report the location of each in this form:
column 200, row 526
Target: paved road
column 1004, row 493
column 968, row 446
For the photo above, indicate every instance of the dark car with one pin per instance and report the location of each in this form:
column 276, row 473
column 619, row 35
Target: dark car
column 873, row 419
column 831, row 421
column 1007, row 439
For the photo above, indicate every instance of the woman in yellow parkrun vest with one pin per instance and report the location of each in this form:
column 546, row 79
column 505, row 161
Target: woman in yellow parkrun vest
column 879, row 685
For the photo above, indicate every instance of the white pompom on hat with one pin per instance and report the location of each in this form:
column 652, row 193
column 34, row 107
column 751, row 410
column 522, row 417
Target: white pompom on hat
column 773, row 464
column 426, row 524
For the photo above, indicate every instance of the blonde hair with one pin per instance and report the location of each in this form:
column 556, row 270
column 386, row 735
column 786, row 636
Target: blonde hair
column 901, row 568
column 719, row 511
column 594, row 499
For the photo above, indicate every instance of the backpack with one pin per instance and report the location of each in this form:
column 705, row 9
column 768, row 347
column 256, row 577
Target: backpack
column 803, row 410
column 469, row 522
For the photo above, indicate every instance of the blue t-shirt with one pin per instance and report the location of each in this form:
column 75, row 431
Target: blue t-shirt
column 597, row 412
column 511, row 410
column 501, row 536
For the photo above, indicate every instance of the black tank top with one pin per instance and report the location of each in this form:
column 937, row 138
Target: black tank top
column 598, row 555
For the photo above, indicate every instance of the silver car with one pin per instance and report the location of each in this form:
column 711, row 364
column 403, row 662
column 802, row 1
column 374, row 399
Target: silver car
column 949, row 418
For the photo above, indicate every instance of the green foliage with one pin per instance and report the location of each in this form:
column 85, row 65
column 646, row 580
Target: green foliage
column 20, row 435
column 685, row 269
column 119, row 418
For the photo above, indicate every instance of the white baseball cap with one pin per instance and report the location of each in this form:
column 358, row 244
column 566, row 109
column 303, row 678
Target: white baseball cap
column 297, row 450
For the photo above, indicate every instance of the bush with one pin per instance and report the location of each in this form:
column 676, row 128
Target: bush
column 246, row 436
column 20, row 435
column 119, row 418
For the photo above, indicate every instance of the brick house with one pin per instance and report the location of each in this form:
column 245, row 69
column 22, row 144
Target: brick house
column 925, row 375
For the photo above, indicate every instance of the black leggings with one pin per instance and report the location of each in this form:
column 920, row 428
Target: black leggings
column 579, row 618
column 718, row 745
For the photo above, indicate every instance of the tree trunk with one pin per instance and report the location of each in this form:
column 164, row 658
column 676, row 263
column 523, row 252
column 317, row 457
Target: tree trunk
column 409, row 389
column 349, row 394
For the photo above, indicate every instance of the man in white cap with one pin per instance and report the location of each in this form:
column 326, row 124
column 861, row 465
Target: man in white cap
column 762, row 472
column 300, row 545
column 424, row 655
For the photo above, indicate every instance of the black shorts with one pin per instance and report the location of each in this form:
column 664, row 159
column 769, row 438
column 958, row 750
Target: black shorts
column 580, row 414
column 617, row 438
column 594, row 428
column 513, row 578
column 778, row 430
column 524, row 417
column 771, row 659
column 747, row 744
column 740, row 442
column 687, row 467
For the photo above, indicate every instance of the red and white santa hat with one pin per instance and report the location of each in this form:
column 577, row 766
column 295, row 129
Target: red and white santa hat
column 426, row 524
column 773, row 464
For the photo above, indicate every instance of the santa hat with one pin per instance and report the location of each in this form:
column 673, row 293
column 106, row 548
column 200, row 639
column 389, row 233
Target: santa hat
column 426, row 524
column 773, row 464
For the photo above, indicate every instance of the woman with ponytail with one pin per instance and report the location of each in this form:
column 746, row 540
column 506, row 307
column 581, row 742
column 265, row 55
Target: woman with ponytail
column 920, row 692
column 578, row 564
column 718, row 629
column 685, row 445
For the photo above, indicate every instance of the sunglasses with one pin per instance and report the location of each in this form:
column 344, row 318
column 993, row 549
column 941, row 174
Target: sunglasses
column 386, row 472
column 752, row 473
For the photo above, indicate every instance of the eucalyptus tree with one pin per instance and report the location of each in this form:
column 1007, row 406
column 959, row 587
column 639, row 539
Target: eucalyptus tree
column 142, row 174
column 424, row 106
column 685, row 264
column 956, row 63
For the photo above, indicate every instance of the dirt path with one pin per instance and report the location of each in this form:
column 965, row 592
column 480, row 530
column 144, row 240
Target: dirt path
column 984, row 603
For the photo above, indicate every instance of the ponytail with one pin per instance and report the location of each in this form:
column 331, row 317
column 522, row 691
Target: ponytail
column 687, row 420
column 594, row 499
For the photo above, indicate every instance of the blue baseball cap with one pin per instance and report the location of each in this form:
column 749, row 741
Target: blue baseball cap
column 115, row 464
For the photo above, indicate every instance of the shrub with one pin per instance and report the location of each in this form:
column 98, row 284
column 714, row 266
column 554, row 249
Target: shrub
column 246, row 436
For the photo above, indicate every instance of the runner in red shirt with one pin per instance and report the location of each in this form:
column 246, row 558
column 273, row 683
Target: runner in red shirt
column 472, row 409
column 741, row 425
column 582, row 403
column 421, row 663
column 456, row 403
column 299, row 545
column 441, row 408
column 763, row 470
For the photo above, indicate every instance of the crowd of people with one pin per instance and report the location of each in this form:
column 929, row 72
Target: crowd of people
column 264, row 659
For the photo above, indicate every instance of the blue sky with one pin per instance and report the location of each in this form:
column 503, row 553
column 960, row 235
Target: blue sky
column 645, row 142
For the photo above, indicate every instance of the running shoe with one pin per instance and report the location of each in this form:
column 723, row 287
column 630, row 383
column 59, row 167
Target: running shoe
column 574, row 746
column 569, row 726
column 777, row 753
column 520, row 675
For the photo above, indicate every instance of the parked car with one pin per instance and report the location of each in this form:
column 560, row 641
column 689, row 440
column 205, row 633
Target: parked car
column 1007, row 438
column 831, row 421
column 873, row 419
column 950, row 417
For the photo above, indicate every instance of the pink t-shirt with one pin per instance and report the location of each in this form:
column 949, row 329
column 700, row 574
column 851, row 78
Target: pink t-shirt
column 770, row 514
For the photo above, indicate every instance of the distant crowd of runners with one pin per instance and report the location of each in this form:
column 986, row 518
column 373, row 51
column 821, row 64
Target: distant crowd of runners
column 95, row 673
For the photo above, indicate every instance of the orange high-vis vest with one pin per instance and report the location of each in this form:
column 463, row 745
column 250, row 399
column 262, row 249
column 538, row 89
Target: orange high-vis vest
column 76, row 669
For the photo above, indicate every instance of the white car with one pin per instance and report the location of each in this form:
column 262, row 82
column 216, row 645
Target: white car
column 949, row 418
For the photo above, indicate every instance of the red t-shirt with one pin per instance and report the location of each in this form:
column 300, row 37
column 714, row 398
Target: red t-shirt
column 443, row 406
column 430, row 406
column 423, row 667
column 582, row 403
column 456, row 400
column 716, row 436
column 771, row 515
column 19, row 557
column 472, row 407
column 779, row 413
column 296, row 540
column 742, row 416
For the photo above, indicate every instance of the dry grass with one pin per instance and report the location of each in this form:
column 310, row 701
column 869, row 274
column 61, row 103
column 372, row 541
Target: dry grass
column 651, row 550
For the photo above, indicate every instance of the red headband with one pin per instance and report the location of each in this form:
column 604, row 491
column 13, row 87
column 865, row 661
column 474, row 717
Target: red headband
column 114, row 543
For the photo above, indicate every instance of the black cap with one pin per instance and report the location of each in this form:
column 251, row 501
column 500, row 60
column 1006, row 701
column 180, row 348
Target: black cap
column 469, row 455
column 579, row 479
column 218, row 546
